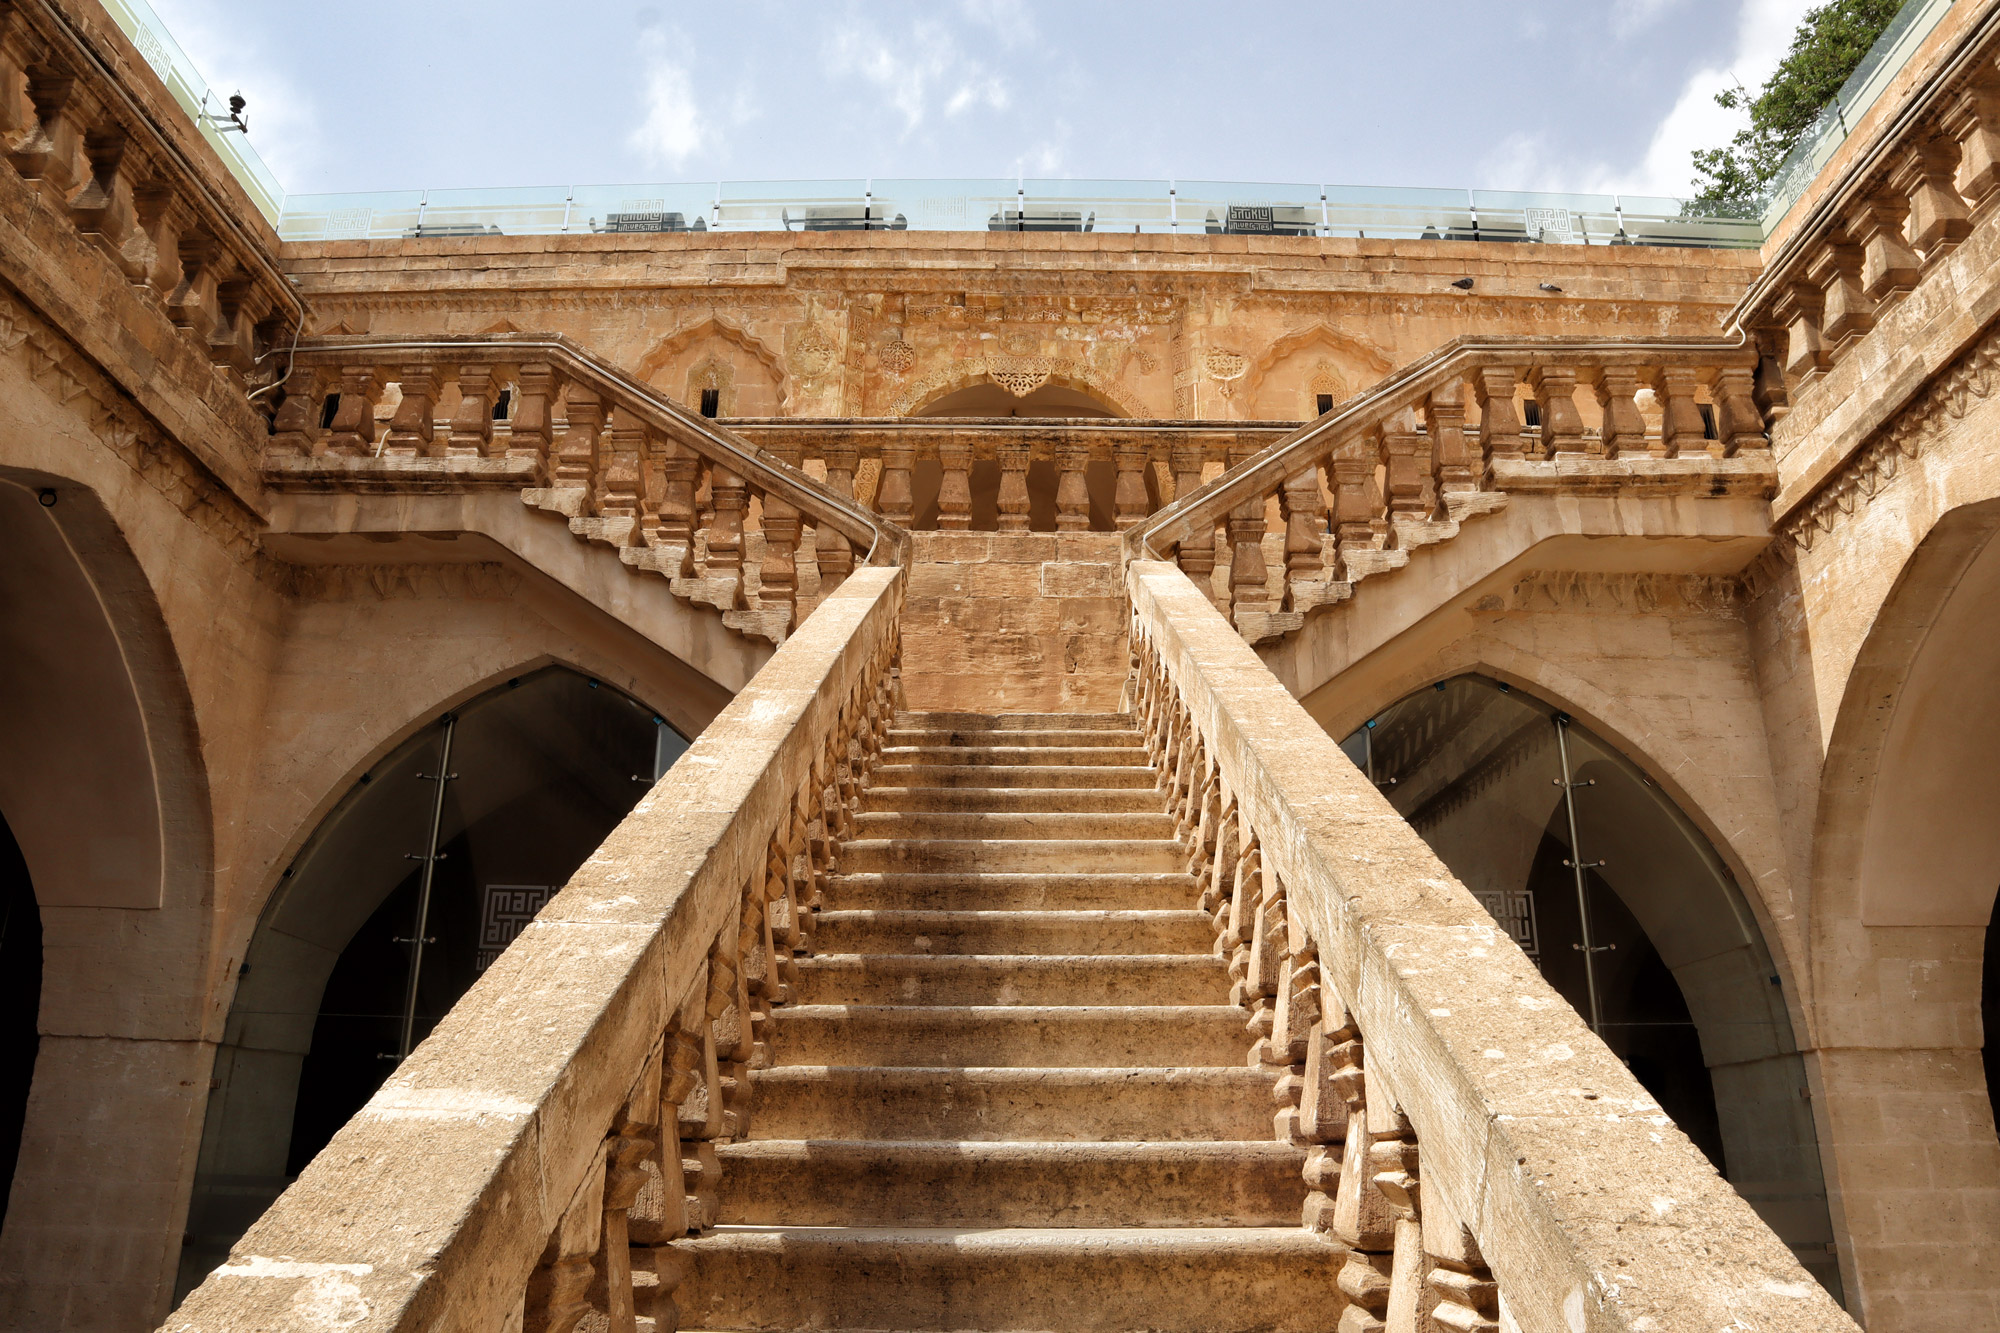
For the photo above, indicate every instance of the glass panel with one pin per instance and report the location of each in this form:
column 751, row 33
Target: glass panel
column 837, row 205
column 1091, row 205
column 1248, row 208
column 350, row 217
column 943, row 205
column 641, row 208
column 527, row 211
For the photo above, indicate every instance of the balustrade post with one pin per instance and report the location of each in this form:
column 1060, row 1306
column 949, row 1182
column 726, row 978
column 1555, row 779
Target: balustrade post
column 1451, row 459
column 1681, row 431
column 351, row 433
column 1797, row 308
column 1196, row 554
column 778, row 574
column 239, row 308
column 617, row 493
column 1407, row 494
column 295, row 426
column 191, row 304
column 558, row 1294
column 162, row 218
column 1738, row 421
column 1974, row 120
column 1624, row 431
column 1013, row 498
column 411, row 427
column 1468, row 1299
column 955, row 487
column 1499, row 424
column 102, row 209
column 893, row 498
column 725, row 533
column 1939, row 219
column 632, row 1145
column 1845, row 308
column 836, row 557
column 1129, row 499
column 532, row 437
column 472, row 425
column 674, row 538
column 1554, row 388
column 1887, row 262
column 1356, row 501
column 576, row 459
column 1072, row 488
column 1304, row 510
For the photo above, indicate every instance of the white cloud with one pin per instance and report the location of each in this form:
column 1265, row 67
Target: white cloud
column 1631, row 17
column 284, row 120
column 1763, row 35
column 921, row 71
column 674, row 128
column 1009, row 20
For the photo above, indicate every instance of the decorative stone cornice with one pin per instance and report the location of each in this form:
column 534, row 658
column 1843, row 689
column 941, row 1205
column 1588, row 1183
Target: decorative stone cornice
column 477, row 581
column 1634, row 594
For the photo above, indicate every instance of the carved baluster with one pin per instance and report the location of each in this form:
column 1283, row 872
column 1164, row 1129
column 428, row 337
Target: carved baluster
column 955, row 489
column 618, row 448
column 1845, row 309
column 1939, row 219
column 1797, row 308
column 779, row 571
column 1293, row 1022
column 1398, row 1181
column 1554, row 388
column 1356, row 501
column 1129, row 499
column 472, row 425
column 558, row 1295
column 50, row 155
column 1624, row 431
column 893, row 499
column 410, row 428
column 673, row 540
column 1321, row 1128
column 162, row 218
column 1013, row 499
column 1196, row 554
column 725, row 533
column 1406, row 479
column 239, row 309
column 1887, row 263
column 631, row 1148
column 1304, row 510
column 576, row 458
column 295, row 426
column 1499, row 424
column 1239, row 926
column 1264, row 972
column 351, row 433
column 836, row 556
column 1363, row 1217
column 1249, row 575
column 1681, row 431
column 1732, row 389
column 102, row 209
column 1452, row 463
column 532, row 438
column 1974, row 120
column 1773, row 399
column 1072, row 488
column 1467, row 1300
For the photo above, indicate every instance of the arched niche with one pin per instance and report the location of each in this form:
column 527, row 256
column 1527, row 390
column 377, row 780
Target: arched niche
column 543, row 767
column 1685, row 988
column 746, row 377
column 1308, row 371
column 987, row 397
column 990, row 398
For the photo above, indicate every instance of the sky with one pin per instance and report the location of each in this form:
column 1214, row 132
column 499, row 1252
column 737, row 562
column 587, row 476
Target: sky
column 1582, row 95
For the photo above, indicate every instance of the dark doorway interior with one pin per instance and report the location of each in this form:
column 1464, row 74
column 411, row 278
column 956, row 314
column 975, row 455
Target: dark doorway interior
column 20, row 1001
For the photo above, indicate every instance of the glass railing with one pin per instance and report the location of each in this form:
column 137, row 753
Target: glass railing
column 1215, row 208
column 1892, row 50
column 204, row 105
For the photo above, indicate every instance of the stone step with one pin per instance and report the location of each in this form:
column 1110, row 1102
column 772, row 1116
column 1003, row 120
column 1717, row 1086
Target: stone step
column 997, row 1105
column 1010, row 1036
column 1040, row 756
column 1010, row 855
column 1004, row 980
column 1061, row 737
column 879, row 1183
column 1013, row 800
column 1009, row 892
column 992, row 932
column 1277, row 1279
column 1126, row 777
column 984, row 722
column 1054, row 826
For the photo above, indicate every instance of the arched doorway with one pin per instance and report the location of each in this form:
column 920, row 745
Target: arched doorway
column 335, row 986
column 989, row 399
column 1628, row 910
column 20, row 1001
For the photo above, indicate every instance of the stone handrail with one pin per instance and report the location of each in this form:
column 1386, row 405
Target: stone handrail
column 1399, row 466
column 513, row 1173
column 1892, row 216
column 1483, row 1158
column 622, row 463
column 74, row 130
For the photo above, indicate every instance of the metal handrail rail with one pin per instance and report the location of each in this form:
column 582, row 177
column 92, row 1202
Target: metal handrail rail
column 888, row 544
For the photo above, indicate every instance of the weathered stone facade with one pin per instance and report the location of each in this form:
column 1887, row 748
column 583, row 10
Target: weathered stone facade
column 952, row 474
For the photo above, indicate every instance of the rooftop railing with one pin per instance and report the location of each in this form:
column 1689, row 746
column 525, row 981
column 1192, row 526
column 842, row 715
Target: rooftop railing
column 1158, row 207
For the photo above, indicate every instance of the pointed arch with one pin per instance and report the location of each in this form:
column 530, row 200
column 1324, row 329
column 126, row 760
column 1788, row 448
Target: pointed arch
column 1018, row 376
column 1268, row 389
column 662, row 365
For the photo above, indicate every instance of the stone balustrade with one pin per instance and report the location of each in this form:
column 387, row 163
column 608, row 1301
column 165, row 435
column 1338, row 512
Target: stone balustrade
column 1007, row 474
column 89, row 147
column 1481, row 1159
column 1292, row 528
column 731, row 526
column 514, row 1173
column 1897, row 211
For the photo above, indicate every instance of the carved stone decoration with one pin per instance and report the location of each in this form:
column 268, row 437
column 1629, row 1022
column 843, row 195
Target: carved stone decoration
column 898, row 356
column 812, row 352
column 1225, row 367
column 1020, row 375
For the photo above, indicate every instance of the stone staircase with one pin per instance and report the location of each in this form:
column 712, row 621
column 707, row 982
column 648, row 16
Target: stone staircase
column 1010, row 1091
